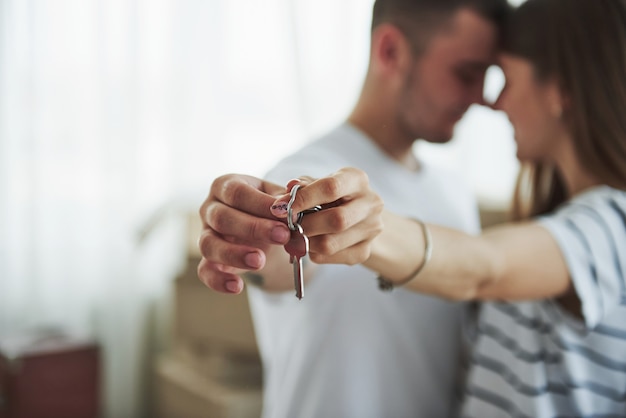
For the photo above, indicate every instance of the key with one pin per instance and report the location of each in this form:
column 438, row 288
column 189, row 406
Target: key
column 297, row 247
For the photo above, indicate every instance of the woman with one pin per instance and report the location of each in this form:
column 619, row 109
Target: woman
column 550, row 338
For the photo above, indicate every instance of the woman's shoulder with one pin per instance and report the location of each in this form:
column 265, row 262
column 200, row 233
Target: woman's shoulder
column 602, row 201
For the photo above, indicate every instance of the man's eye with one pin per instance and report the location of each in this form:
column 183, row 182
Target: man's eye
column 467, row 77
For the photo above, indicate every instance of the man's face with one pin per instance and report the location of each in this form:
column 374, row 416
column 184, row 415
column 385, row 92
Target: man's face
column 448, row 77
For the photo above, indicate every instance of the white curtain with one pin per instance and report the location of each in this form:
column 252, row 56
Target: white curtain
column 115, row 115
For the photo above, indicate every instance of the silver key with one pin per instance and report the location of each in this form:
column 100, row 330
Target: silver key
column 297, row 247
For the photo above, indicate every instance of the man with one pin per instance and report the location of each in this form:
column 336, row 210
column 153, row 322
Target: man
column 348, row 349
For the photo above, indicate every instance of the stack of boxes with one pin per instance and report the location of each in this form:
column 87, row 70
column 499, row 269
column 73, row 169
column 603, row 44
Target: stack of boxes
column 212, row 368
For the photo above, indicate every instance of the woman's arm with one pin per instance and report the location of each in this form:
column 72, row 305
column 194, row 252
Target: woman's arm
column 512, row 261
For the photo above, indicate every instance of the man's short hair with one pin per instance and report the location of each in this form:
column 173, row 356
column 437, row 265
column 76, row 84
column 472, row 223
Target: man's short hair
column 420, row 19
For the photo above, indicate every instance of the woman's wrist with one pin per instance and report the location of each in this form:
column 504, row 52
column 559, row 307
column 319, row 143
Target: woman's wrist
column 399, row 250
column 387, row 284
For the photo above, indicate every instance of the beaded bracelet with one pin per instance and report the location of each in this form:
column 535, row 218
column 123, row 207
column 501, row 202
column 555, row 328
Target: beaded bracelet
column 387, row 285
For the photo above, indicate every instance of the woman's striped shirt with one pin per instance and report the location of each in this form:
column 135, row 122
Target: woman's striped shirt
column 533, row 359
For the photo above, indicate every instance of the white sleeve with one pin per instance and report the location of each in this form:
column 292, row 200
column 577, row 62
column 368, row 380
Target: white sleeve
column 591, row 233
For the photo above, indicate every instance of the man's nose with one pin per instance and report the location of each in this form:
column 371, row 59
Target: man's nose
column 476, row 95
column 497, row 105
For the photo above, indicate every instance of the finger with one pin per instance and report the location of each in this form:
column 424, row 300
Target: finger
column 302, row 181
column 245, row 227
column 353, row 255
column 343, row 184
column 280, row 206
column 220, row 281
column 363, row 212
column 334, row 220
column 333, row 243
column 248, row 194
column 216, row 249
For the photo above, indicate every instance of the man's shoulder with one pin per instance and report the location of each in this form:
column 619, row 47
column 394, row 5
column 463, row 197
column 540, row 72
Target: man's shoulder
column 328, row 147
column 339, row 138
column 321, row 156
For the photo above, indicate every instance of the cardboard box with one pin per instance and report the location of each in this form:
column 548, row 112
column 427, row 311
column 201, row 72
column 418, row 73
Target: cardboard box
column 184, row 392
column 201, row 314
column 225, row 366
column 212, row 368
column 46, row 374
column 194, row 228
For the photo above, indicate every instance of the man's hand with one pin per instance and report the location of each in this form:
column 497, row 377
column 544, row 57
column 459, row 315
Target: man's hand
column 238, row 230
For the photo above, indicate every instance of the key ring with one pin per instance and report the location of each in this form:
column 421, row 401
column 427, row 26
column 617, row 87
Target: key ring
column 290, row 223
column 314, row 209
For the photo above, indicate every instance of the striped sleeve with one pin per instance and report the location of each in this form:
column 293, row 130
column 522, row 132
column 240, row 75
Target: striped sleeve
column 591, row 233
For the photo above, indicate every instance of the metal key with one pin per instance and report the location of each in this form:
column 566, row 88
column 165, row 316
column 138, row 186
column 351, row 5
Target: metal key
column 297, row 247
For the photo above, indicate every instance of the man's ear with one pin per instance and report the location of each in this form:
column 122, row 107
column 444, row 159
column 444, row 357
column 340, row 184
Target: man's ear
column 390, row 50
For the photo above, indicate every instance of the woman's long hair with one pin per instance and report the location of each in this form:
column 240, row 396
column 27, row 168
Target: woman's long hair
column 582, row 45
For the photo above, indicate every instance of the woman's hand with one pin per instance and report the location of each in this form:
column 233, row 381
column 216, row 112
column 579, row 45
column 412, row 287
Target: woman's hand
column 351, row 216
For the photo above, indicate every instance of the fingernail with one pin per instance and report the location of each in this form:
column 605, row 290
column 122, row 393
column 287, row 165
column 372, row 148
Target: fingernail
column 280, row 235
column 253, row 260
column 233, row 286
column 279, row 209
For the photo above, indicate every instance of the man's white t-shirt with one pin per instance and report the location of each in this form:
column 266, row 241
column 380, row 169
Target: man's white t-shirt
column 348, row 349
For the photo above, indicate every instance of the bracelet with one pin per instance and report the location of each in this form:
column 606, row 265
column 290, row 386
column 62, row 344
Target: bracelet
column 387, row 285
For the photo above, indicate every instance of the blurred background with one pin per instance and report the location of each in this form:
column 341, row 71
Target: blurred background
column 116, row 115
